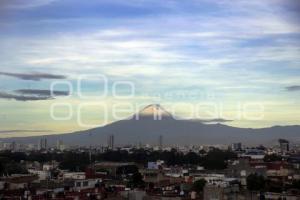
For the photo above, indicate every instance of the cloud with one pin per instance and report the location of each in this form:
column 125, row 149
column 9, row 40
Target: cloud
column 4, row 95
column 218, row 120
column 20, row 4
column 32, row 94
column 42, row 92
column 24, row 131
column 293, row 88
column 33, row 76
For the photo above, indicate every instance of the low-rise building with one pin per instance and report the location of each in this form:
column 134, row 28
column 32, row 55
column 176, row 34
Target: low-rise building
column 18, row 181
column 216, row 192
column 74, row 175
column 42, row 174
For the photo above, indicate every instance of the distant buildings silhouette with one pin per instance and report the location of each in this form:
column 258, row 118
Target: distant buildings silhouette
column 111, row 142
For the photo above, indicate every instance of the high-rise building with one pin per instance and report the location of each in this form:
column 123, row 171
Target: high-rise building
column 42, row 145
column 236, row 146
column 45, row 143
column 13, row 146
column 60, row 145
column 111, row 141
column 7, row 146
column 160, row 142
column 284, row 145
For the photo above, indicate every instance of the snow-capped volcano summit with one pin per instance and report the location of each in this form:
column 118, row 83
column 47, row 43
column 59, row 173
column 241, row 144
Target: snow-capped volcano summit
column 154, row 111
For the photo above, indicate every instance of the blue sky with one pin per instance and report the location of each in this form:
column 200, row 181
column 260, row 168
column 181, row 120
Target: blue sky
column 186, row 52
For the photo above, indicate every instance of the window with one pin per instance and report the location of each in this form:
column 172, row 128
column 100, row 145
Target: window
column 78, row 184
column 85, row 183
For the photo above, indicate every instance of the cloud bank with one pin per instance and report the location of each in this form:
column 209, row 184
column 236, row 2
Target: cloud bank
column 218, row 120
column 23, row 131
column 42, row 92
column 32, row 95
column 9, row 96
column 293, row 88
column 33, row 76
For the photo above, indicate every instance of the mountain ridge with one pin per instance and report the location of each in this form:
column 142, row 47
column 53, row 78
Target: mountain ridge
column 146, row 129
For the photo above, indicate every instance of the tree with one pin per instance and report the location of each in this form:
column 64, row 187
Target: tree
column 15, row 168
column 272, row 158
column 136, row 180
column 75, row 162
column 296, row 184
column 256, row 182
column 1, row 168
column 217, row 159
column 199, row 185
column 192, row 158
column 129, row 169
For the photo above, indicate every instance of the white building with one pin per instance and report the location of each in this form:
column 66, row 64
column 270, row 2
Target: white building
column 43, row 175
column 85, row 184
column 74, row 175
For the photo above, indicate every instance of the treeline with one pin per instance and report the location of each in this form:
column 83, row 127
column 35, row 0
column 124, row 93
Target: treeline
column 215, row 159
column 77, row 161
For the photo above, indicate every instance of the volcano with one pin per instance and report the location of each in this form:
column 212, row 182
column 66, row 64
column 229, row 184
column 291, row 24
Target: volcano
column 154, row 111
column 154, row 121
